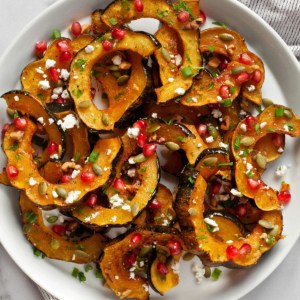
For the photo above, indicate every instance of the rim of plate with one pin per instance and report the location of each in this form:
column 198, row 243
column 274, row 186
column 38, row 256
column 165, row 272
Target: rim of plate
column 239, row 6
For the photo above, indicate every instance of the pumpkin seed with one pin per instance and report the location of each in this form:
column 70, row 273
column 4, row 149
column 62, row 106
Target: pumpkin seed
column 207, row 271
column 114, row 68
column 237, row 70
column 153, row 128
column 226, row 37
column 274, row 231
column 188, row 256
column 42, row 188
column 84, row 104
column 267, row 102
column 247, row 141
column 261, row 160
column 172, row 146
column 288, row 114
column 116, row 74
column 266, row 224
column 105, row 119
column 10, row 112
column 135, row 208
column 166, row 54
column 55, row 244
column 139, row 158
column 81, row 253
column 210, row 161
column 61, row 192
column 26, row 228
column 97, row 169
column 123, row 80
column 145, row 251
column 193, row 211
column 52, row 219
column 213, row 131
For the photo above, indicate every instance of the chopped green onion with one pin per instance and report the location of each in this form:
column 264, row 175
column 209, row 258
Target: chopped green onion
column 99, row 274
column 210, row 228
column 52, row 219
column 113, row 21
column 77, row 156
column 94, row 156
column 191, row 180
column 215, row 275
column 75, row 272
column 279, row 112
column 270, row 240
column 211, row 48
column 226, row 102
column 81, row 277
column 31, row 216
column 187, row 72
column 232, row 89
column 56, row 34
column 257, row 128
column 220, row 24
column 201, row 237
column 223, row 164
column 37, row 252
column 237, row 143
column 88, row 268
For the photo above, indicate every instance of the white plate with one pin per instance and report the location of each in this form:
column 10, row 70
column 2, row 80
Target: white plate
column 282, row 85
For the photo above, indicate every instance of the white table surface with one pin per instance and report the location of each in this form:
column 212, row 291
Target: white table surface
column 15, row 285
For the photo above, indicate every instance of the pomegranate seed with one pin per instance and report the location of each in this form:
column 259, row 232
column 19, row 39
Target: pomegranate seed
column 91, row 201
column 59, row 229
column 257, row 76
column 119, row 185
column 215, row 187
column 66, row 178
column 162, row 268
column 40, row 47
column 136, row 238
column 245, row 249
column 87, row 177
column 138, row 5
column 174, row 247
column 278, row 140
column 118, row 33
column 65, row 56
column 52, row 148
column 141, row 124
column 202, row 16
column 250, row 120
column 183, row 16
column 130, row 259
column 242, row 77
column 232, row 252
column 53, row 74
column 72, row 226
column 224, row 91
column 254, row 184
column 246, row 59
column 93, row 92
column 155, row 204
column 224, row 64
column 201, row 129
column 20, row 123
column 142, row 139
column 241, row 210
column 11, row 171
column 63, row 46
column 107, row 45
column 60, row 100
column 4, row 129
column 284, row 197
column 149, row 149
column 76, row 29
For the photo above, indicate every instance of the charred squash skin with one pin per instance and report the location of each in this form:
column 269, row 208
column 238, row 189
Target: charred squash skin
column 42, row 237
column 265, row 197
column 189, row 38
column 28, row 169
column 198, row 238
column 141, row 43
column 112, row 262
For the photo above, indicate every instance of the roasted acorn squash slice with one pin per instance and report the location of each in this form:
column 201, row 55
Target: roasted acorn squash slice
column 30, row 180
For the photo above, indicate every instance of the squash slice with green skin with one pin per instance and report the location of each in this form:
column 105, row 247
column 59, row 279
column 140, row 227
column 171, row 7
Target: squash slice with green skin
column 80, row 80
column 113, row 262
column 190, row 210
column 75, row 189
column 53, row 245
column 31, row 106
column 161, row 10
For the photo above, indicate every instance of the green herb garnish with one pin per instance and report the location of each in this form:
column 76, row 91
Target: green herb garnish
column 94, row 156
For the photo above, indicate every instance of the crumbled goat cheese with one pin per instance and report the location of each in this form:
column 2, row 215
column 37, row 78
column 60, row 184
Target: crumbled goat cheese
column 91, row 217
column 39, row 70
column 216, row 113
column 116, row 201
column 209, row 139
column 280, row 171
column 51, row 121
column 44, row 84
column 242, row 112
column 235, row 192
column 105, row 169
column 280, row 150
column 32, row 182
column 223, row 145
column 132, row 275
column 180, row 91
column 229, row 242
column 54, row 194
column 131, row 161
column 154, row 115
column 65, row 94
column 50, row 63
column 244, row 127
column 133, row 132
column 64, row 75
column 286, row 128
column 170, row 79
column 16, row 98
column 126, row 206
column 219, row 98
column 251, row 88
column 113, row 219
column 194, row 99
column 75, row 174
column 262, row 125
column 212, row 223
column 54, row 156
column 58, row 90
column 178, row 60
column 145, row 286
column 89, row 49
column 72, row 196
column 199, row 145
column 68, row 122
column 117, row 60
column 41, row 120
column 117, row 277
column 175, row 267
column 75, row 77
column 198, row 272
column 108, row 152
column 249, row 167
column 131, row 172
